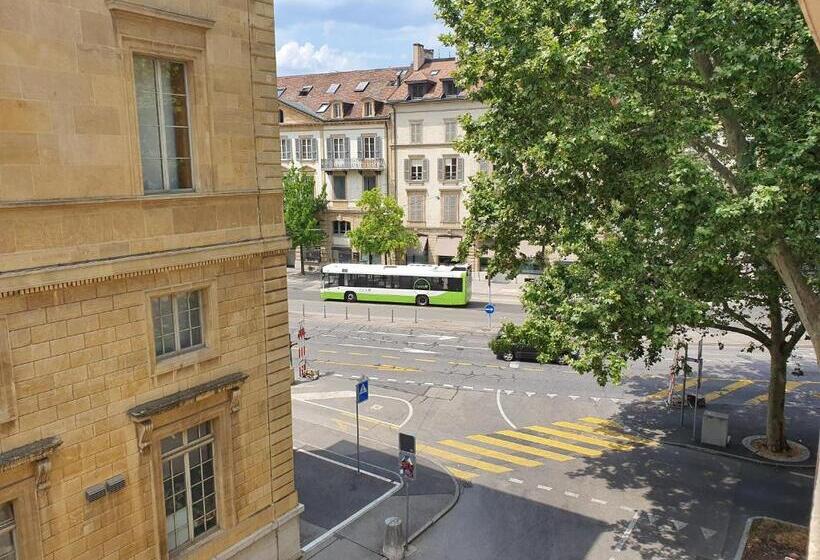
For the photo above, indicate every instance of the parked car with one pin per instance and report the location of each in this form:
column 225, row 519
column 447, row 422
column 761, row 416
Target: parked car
column 511, row 344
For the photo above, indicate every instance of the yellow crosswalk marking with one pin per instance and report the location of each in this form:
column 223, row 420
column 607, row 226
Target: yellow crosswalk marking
column 380, row 367
column 391, row 357
column 483, row 465
column 731, row 387
column 608, row 432
column 520, row 461
column 425, row 360
column 327, row 351
column 460, row 363
column 583, row 439
column 552, row 443
column 602, row 422
column 790, row 386
column 463, row 475
column 543, row 453
column 665, row 392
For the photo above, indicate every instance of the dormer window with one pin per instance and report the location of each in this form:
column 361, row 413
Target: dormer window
column 450, row 88
column 280, row 91
column 338, row 111
column 368, row 109
column 333, row 88
column 323, row 107
column 417, row 91
column 305, row 90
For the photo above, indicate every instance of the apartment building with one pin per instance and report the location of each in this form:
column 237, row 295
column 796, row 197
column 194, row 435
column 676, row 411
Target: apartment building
column 430, row 174
column 337, row 127
column 144, row 371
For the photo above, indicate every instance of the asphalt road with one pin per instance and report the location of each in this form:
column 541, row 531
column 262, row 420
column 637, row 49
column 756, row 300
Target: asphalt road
column 553, row 466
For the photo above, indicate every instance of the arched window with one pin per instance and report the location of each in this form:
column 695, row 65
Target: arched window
column 281, row 116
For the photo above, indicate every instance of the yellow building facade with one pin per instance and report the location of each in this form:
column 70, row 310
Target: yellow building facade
column 144, row 352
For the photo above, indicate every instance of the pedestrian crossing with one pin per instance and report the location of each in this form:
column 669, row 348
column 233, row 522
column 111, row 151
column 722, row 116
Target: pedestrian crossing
column 747, row 392
column 532, row 446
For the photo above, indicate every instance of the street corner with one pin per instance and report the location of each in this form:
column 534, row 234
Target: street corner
column 336, row 493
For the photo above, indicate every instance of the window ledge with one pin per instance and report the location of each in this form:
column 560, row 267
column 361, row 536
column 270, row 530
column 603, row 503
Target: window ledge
column 29, row 453
column 151, row 408
column 131, row 8
column 173, row 363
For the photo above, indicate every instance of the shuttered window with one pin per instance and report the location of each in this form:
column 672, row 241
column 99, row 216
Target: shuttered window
column 451, row 168
column 367, row 147
column 306, row 148
column 415, row 206
column 286, row 154
column 339, row 147
column 415, row 170
column 450, row 130
column 416, row 132
column 450, row 202
column 339, row 187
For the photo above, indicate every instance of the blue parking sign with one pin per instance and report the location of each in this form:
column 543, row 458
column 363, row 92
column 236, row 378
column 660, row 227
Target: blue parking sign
column 489, row 309
column 362, row 391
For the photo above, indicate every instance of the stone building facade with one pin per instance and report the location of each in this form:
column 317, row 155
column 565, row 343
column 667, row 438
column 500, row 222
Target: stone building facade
column 144, row 358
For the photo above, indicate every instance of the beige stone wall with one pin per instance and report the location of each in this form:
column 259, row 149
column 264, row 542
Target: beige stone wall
column 81, row 359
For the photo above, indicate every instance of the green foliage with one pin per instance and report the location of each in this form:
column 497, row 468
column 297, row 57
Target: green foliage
column 667, row 145
column 301, row 209
column 381, row 230
column 531, row 333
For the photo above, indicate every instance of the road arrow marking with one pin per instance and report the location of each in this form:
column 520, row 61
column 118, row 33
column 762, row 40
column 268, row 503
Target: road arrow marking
column 707, row 533
column 679, row 525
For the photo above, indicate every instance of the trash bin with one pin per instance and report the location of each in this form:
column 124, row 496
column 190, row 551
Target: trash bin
column 714, row 429
column 393, row 546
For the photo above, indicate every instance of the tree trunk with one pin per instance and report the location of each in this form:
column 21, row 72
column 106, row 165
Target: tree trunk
column 302, row 258
column 805, row 300
column 776, row 417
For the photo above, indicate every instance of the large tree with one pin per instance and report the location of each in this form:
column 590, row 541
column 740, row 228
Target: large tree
column 381, row 230
column 672, row 147
column 302, row 207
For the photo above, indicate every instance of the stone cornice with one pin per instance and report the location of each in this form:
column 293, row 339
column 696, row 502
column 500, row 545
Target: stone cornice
column 77, row 274
column 131, row 8
column 29, row 452
column 150, row 198
column 148, row 409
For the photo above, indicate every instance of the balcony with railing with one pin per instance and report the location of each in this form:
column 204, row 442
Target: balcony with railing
column 344, row 164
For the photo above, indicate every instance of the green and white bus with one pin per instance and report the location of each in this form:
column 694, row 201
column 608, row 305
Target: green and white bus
column 421, row 284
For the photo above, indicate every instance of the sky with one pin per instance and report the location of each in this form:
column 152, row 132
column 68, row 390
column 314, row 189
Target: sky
column 329, row 35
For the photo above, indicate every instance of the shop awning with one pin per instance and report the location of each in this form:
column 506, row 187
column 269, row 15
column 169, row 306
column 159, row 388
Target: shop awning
column 447, row 246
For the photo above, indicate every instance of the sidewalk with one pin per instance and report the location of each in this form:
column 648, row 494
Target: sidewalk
column 345, row 512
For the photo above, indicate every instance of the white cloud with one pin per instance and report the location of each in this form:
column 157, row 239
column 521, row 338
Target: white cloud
column 304, row 58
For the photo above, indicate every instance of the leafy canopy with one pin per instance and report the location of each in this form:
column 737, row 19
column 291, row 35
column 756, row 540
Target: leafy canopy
column 301, row 209
column 382, row 229
column 667, row 145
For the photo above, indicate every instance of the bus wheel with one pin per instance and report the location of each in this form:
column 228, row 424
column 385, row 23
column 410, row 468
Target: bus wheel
column 422, row 300
column 350, row 297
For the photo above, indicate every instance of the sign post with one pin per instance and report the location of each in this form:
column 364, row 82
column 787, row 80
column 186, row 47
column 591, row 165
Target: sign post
column 683, row 388
column 362, row 394
column 407, row 469
column 489, row 308
column 697, row 390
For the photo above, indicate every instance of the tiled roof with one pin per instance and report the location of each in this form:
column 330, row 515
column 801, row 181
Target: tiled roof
column 433, row 71
column 380, row 87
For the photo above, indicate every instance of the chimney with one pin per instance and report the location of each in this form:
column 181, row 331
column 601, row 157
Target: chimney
column 418, row 56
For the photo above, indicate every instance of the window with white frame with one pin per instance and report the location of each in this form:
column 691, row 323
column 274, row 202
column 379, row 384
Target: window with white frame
column 339, row 146
column 307, row 148
column 417, row 170
column 415, row 206
column 177, row 322
column 368, row 147
column 450, row 168
column 450, row 130
column 368, row 182
column 189, row 484
column 368, row 109
column 341, row 227
column 450, row 202
column 338, row 110
column 416, row 132
column 164, row 130
column 286, row 153
column 8, row 533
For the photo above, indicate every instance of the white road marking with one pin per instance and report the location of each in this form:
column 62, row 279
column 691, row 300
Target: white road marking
column 338, row 375
column 405, row 350
column 393, row 380
column 597, row 501
column 501, row 410
column 324, row 396
column 627, row 508
column 542, row 487
column 628, row 531
column 463, row 347
column 551, row 395
column 515, row 365
column 573, row 397
column 707, row 533
column 355, row 376
column 466, row 387
column 428, row 383
column 374, row 378
column 571, row 494
column 679, row 525
column 515, row 481
column 488, row 389
column 376, row 407
column 614, row 400
column 804, row 475
column 508, row 391
column 529, row 393
column 447, row 385
column 410, row 381
column 595, row 399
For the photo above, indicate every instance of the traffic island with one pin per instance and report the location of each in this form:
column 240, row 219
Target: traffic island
column 772, row 539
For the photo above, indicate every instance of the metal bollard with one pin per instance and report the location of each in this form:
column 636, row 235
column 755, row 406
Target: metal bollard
column 393, row 546
column 391, row 316
column 416, row 319
column 345, row 313
column 324, row 311
column 303, row 311
column 368, row 313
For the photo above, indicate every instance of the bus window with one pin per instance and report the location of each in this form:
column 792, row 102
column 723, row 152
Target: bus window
column 330, row 280
column 455, row 284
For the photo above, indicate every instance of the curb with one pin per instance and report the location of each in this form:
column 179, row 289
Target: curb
column 709, row 451
column 745, row 537
column 445, row 510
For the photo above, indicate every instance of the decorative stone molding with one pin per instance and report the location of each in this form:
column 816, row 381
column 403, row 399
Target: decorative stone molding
column 36, row 451
column 236, row 396
column 144, row 430
column 43, row 470
column 125, row 7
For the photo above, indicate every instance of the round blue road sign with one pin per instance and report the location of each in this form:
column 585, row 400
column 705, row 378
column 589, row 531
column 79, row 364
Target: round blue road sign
column 489, row 309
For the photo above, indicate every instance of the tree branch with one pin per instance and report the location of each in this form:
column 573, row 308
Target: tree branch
column 718, row 166
column 795, row 338
column 745, row 322
column 751, row 334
